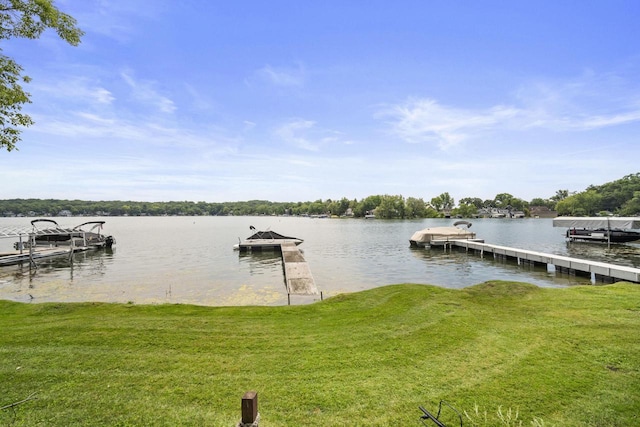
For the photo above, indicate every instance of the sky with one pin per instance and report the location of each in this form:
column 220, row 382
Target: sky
column 289, row 100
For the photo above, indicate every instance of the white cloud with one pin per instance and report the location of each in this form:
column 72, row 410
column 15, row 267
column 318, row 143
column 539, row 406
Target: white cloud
column 144, row 92
column 425, row 120
column 295, row 132
column 113, row 19
column 80, row 89
column 585, row 103
column 282, row 76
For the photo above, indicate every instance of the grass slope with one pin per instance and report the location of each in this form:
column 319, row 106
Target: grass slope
column 569, row 357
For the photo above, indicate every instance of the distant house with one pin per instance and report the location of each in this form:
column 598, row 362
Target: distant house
column 499, row 213
column 64, row 212
column 542, row 212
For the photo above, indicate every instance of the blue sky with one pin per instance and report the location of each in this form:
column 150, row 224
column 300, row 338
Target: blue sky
column 294, row 101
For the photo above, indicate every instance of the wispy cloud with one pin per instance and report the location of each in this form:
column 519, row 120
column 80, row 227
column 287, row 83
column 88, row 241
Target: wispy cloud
column 565, row 107
column 119, row 21
column 80, row 89
column 425, row 120
column 307, row 135
column 281, row 76
column 295, row 133
column 144, row 92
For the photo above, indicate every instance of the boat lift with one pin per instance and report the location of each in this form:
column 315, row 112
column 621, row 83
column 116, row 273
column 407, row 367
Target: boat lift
column 593, row 225
column 25, row 248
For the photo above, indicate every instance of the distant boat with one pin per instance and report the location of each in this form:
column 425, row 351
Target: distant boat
column 425, row 236
column 600, row 229
column 265, row 240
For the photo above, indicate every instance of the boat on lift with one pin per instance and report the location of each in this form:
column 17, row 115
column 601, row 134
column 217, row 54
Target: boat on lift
column 87, row 234
column 600, row 229
column 459, row 231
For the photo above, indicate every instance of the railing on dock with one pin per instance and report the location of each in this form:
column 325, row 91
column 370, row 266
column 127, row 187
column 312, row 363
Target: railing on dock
column 600, row 270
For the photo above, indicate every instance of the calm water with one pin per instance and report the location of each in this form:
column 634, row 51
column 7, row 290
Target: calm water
column 191, row 260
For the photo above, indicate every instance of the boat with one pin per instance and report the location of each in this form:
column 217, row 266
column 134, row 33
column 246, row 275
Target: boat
column 87, row 234
column 425, row 236
column 265, row 240
column 600, row 229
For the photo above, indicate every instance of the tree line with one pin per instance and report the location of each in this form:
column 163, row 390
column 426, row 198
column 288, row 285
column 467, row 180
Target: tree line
column 620, row 197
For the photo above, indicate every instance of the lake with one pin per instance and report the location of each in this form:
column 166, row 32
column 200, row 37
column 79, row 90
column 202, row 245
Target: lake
column 191, row 260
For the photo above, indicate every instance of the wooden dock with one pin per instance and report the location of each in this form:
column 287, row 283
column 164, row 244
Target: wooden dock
column 297, row 274
column 599, row 270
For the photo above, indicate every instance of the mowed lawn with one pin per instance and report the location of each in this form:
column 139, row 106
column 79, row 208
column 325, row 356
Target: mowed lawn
column 554, row 357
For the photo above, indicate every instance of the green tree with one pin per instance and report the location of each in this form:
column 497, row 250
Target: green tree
column 475, row 201
column 415, row 208
column 390, row 207
column 368, row 204
column 503, row 200
column 560, row 195
column 581, row 204
column 466, row 209
column 632, row 207
column 542, row 202
column 443, row 202
column 25, row 19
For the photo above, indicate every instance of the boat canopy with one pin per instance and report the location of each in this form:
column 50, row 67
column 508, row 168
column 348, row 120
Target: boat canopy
column 608, row 223
column 268, row 235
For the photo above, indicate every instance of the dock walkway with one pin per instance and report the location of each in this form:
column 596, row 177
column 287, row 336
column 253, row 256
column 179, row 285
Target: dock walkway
column 297, row 274
column 600, row 270
column 18, row 257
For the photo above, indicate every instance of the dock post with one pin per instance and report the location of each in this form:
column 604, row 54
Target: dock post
column 249, row 409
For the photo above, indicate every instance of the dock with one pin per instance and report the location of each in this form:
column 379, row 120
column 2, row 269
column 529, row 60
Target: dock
column 599, row 270
column 297, row 274
column 19, row 257
column 25, row 252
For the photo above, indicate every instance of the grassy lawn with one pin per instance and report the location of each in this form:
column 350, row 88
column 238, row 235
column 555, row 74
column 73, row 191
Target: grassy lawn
column 558, row 357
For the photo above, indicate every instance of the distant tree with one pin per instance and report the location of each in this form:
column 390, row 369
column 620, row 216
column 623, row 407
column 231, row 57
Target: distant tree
column 390, row 207
column 632, row 207
column 502, row 200
column 581, row 204
column 415, row 208
column 465, row 210
column 542, row 202
column 368, row 204
column 489, row 203
column 25, row 19
column 475, row 201
column 560, row 195
column 443, row 202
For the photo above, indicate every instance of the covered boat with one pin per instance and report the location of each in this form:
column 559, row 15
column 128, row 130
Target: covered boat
column 456, row 232
column 600, row 229
column 265, row 240
column 87, row 234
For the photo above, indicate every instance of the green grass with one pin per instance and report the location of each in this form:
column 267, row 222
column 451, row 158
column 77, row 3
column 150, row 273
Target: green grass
column 563, row 357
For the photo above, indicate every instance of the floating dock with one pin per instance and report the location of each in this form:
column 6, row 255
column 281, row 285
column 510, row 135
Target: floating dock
column 600, row 270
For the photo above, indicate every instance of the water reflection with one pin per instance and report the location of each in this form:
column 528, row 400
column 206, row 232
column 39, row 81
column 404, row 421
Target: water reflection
column 621, row 254
column 261, row 262
column 470, row 267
